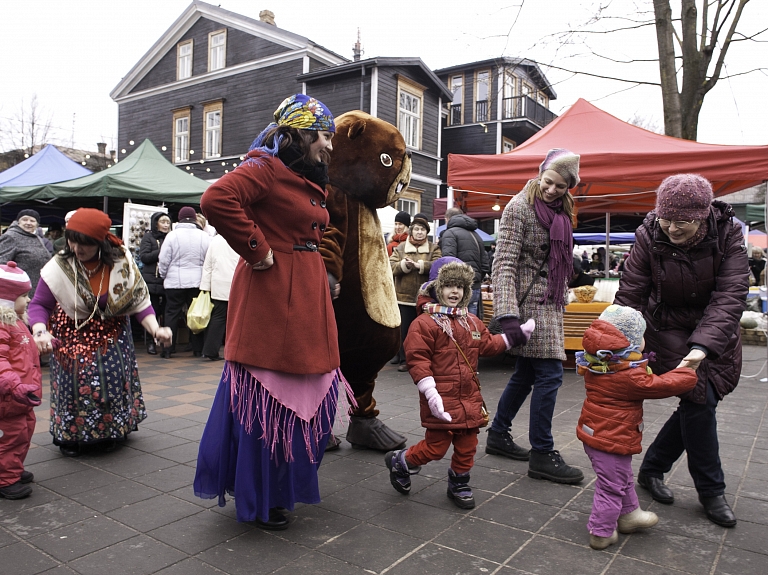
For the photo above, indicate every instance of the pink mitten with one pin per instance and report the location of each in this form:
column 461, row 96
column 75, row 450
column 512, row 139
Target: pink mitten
column 527, row 328
column 428, row 387
column 21, row 393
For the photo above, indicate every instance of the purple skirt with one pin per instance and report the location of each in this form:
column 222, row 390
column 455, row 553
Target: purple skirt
column 251, row 466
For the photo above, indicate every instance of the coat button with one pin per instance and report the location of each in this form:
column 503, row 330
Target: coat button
column 544, row 247
column 693, row 294
column 253, row 244
column 314, row 225
column 322, row 204
column 312, row 201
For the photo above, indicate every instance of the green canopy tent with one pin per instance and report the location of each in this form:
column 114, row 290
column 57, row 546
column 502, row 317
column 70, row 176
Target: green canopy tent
column 144, row 175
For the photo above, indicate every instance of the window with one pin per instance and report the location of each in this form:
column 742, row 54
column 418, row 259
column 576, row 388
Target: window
column 181, row 135
column 212, row 129
column 510, row 102
column 457, row 87
column 184, row 60
column 507, row 145
column 409, row 201
column 217, row 50
column 541, row 98
column 482, row 95
column 410, row 97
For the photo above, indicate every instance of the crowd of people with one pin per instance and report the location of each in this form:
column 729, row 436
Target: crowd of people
column 682, row 292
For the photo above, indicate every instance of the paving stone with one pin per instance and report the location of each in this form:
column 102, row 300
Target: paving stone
column 313, row 526
column 155, row 512
column 39, row 496
column 417, row 520
column 481, row 538
column 199, row 532
column 359, row 503
column 169, row 424
column 57, row 467
column 671, row 550
column 436, row 559
column 734, row 561
column 252, row 553
column 518, row 513
column 81, row 538
column 39, row 454
column 754, row 510
column 626, row 566
column 156, row 442
column 169, row 478
column 75, row 483
column 137, row 556
column 184, row 453
column 46, row 517
column 319, row 564
column 60, row 570
column 187, row 494
column 544, row 555
column 115, row 495
column 748, row 536
column 192, row 433
column 21, row 559
column 190, row 567
column 6, row 538
column 545, row 492
column 136, row 463
column 370, row 547
column 569, row 526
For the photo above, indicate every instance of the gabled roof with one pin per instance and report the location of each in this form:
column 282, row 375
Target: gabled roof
column 299, row 45
column 531, row 67
column 372, row 62
column 47, row 166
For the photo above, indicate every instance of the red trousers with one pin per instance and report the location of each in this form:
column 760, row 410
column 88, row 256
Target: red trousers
column 435, row 445
column 17, row 434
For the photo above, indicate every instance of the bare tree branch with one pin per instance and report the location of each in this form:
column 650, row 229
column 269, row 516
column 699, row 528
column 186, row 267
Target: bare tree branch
column 639, row 82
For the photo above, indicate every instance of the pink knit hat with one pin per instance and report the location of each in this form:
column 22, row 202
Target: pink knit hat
column 684, row 197
column 14, row 281
column 565, row 163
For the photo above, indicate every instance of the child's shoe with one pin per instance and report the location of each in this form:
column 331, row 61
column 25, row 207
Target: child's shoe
column 399, row 471
column 15, row 491
column 27, row 477
column 597, row 542
column 638, row 519
column 459, row 490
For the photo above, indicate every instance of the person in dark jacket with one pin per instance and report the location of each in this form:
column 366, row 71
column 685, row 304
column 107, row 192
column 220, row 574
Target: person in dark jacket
column 757, row 264
column 400, row 231
column 149, row 253
column 688, row 275
column 579, row 278
column 21, row 244
column 459, row 240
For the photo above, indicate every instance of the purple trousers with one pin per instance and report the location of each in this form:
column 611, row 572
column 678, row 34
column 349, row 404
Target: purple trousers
column 614, row 490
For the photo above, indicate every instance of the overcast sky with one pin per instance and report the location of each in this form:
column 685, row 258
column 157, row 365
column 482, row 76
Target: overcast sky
column 72, row 53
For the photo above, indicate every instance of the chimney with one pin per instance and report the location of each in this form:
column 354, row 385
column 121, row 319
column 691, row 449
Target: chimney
column 357, row 49
column 102, row 146
column 113, row 155
column 268, row 17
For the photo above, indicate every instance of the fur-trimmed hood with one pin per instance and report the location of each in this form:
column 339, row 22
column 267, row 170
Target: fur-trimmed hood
column 447, row 271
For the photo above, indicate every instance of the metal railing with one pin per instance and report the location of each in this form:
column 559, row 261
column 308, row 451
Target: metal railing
column 481, row 111
column 526, row 107
column 455, row 114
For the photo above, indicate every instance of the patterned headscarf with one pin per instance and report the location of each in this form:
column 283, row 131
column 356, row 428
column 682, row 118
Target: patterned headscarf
column 305, row 113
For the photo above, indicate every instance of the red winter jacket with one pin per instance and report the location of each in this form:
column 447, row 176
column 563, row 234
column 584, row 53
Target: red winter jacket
column 19, row 363
column 395, row 241
column 693, row 296
column 430, row 352
column 612, row 415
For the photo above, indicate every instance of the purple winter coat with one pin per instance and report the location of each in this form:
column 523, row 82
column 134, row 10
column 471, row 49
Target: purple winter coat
column 693, row 296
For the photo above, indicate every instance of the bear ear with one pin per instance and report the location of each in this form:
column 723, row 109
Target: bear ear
column 356, row 128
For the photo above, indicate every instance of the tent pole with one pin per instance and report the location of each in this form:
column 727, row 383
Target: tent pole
column 607, row 262
column 106, row 205
column 765, row 221
column 449, row 198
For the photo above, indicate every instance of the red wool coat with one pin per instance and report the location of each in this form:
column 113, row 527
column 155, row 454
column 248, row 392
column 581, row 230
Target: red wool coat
column 612, row 415
column 282, row 318
column 430, row 352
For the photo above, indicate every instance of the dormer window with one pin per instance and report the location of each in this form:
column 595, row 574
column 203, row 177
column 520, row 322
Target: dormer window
column 184, row 60
column 217, row 50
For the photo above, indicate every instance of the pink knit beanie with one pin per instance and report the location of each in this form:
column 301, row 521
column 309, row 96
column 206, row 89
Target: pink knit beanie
column 684, row 197
column 565, row 163
column 14, row 281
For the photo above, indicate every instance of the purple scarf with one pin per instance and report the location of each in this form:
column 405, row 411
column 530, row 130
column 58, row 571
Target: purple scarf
column 552, row 217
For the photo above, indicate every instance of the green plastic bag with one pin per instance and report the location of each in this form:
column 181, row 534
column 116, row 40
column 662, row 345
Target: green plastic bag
column 199, row 313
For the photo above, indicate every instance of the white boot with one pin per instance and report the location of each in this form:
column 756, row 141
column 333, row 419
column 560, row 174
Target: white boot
column 597, row 542
column 638, row 519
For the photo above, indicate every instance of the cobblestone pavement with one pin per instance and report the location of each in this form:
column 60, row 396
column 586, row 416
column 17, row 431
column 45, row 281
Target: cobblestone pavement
column 133, row 511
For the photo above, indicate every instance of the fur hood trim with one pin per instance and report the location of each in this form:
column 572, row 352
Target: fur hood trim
column 455, row 273
column 8, row 315
column 422, row 249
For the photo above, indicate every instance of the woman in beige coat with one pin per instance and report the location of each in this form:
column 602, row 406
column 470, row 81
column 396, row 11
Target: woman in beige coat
column 411, row 262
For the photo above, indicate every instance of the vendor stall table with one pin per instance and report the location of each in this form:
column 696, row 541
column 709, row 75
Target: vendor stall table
column 576, row 320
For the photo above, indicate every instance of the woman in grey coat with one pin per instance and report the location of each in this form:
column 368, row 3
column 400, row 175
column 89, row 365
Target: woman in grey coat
column 532, row 267
column 21, row 244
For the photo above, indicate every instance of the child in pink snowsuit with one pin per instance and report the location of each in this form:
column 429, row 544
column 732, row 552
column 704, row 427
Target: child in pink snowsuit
column 20, row 382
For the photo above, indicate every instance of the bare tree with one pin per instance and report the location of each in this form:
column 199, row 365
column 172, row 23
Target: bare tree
column 28, row 129
column 646, row 122
column 692, row 46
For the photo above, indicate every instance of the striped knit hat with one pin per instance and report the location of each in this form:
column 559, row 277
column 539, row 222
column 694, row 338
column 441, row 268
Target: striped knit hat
column 565, row 163
column 14, row 282
column 684, row 197
column 628, row 321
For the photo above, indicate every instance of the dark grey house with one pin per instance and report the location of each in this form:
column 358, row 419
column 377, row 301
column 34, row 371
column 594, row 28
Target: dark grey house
column 403, row 92
column 210, row 84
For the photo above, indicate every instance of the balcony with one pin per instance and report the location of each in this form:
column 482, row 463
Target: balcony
column 455, row 115
column 481, row 111
column 525, row 107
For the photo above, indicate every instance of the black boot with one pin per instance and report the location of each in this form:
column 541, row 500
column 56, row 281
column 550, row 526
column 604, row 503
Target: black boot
column 371, row 433
column 502, row 444
column 552, row 467
column 655, row 486
column 151, row 348
column 718, row 511
column 16, row 490
column 459, row 490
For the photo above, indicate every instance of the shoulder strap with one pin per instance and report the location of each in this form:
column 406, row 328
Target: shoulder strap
column 536, row 277
column 471, row 369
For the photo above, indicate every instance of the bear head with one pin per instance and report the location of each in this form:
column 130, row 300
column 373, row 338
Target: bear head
column 369, row 161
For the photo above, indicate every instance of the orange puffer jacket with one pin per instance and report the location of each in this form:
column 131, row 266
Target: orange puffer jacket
column 612, row 415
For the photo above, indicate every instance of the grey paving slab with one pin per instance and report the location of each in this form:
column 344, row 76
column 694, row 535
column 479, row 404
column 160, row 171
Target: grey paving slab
column 371, row 547
column 475, row 536
column 22, row 559
column 319, row 564
column 139, row 555
column 82, row 538
column 437, row 559
column 545, row 555
column 252, row 553
column 151, row 513
column 198, row 532
column 115, row 495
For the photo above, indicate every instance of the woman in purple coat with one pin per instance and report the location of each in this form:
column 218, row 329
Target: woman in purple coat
column 688, row 275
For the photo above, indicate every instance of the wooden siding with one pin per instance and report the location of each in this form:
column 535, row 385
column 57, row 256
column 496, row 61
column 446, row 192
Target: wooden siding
column 341, row 93
column 241, row 47
column 470, row 139
column 250, row 99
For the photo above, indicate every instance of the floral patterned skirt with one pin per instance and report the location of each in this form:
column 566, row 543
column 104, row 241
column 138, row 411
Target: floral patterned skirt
column 95, row 396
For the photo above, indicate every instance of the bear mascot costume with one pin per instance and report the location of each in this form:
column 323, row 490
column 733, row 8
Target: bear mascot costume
column 369, row 167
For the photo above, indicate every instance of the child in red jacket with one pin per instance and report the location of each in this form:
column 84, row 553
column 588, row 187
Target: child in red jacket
column 20, row 382
column 617, row 379
column 441, row 351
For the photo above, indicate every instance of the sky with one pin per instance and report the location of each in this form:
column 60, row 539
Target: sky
column 71, row 54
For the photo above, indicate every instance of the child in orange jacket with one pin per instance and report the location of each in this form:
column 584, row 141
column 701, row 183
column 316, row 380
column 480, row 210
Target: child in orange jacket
column 617, row 379
column 20, row 382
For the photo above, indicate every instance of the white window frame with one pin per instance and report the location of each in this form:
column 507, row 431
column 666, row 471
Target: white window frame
column 181, row 139
column 410, row 123
column 409, row 201
column 452, row 87
column 217, row 50
column 184, row 61
column 507, row 145
column 212, row 131
column 487, row 97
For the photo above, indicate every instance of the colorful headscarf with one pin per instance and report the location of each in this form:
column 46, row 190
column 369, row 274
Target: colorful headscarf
column 304, row 113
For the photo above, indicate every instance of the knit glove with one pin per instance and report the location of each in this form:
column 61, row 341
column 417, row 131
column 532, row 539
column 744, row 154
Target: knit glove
column 517, row 334
column 429, row 389
column 24, row 393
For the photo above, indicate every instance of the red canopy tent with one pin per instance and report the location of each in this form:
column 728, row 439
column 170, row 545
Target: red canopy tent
column 621, row 165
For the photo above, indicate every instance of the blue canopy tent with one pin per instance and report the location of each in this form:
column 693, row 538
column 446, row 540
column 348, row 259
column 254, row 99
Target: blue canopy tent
column 487, row 238
column 599, row 238
column 48, row 166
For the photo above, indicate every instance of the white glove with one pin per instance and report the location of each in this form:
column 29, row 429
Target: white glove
column 429, row 389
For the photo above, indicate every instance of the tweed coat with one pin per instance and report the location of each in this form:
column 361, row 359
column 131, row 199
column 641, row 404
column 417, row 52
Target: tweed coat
column 280, row 318
column 691, row 296
column 520, row 248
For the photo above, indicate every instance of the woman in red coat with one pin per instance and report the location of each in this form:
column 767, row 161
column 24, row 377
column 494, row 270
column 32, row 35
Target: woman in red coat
column 274, row 409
